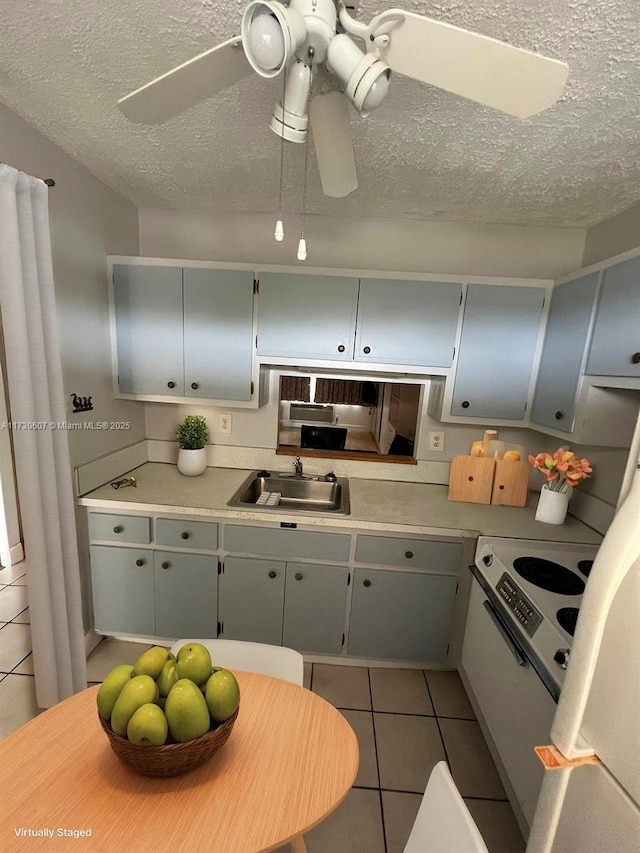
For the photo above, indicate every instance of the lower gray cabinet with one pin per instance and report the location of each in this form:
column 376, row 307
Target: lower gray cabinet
column 122, row 587
column 401, row 615
column 252, row 600
column 186, row 595
column 314, row 605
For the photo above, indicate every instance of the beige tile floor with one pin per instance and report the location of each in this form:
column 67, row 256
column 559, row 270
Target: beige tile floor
column 405, row 720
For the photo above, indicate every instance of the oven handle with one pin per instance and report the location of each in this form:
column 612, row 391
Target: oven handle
column 513, row 648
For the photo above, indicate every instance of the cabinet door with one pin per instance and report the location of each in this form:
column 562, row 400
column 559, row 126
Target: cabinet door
column 401, row 615
column 314, row 605
column 218, row 334
column 252, row 600
column 499, row 337
column 307, row 316
column 425, row 319
column 563, row 352
column 148, row 317
column 122, row 588
column 186, row 595
column 616, row 336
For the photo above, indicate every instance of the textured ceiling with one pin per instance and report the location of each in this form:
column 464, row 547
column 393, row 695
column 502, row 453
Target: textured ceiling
column 424, row 154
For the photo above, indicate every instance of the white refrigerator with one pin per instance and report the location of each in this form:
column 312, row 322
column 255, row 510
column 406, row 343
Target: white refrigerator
column 590, row 800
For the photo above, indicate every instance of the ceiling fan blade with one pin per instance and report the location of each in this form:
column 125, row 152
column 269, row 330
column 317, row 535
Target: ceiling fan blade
column 474, row 66
column 331, row 129
column 193, row 81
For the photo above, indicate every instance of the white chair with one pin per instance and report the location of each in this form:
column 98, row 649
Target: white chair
column 278, row 661
column 443, row 823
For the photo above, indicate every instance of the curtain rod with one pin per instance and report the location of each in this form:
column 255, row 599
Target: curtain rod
column 48, row 181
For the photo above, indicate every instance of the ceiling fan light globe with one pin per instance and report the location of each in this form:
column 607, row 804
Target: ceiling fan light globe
column 376, row 93
column 266, row 41
column 365, row 77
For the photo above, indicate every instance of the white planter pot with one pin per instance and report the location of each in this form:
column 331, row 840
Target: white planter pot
column 552, row 506
column 191, row 463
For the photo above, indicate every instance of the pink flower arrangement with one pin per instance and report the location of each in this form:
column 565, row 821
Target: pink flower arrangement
column 562, row 470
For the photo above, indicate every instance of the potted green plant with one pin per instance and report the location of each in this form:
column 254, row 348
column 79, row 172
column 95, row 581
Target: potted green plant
column 192, row 434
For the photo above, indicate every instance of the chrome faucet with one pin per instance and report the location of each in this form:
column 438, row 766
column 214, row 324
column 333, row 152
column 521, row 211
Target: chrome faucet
column 297, row 467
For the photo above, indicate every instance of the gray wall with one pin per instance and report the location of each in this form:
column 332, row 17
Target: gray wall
column 613, row 236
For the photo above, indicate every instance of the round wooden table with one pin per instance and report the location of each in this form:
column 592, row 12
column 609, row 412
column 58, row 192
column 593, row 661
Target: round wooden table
column 290, row 761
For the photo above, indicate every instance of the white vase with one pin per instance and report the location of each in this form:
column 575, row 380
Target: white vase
column 191, row 463
column 552, row 506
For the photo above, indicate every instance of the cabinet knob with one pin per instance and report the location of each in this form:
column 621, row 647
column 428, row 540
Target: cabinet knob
column 171, row 384
column 195, row 386
column 559, row 415
column 341, row 348
column 366, row 583
column 118, row 528
column 166, row 564
column 272, row 574
column 299, row 576
column 408, row 554
column 140, row 562
column 635, row 358
column 185, row 535
column 367, row 350
column 465, row 404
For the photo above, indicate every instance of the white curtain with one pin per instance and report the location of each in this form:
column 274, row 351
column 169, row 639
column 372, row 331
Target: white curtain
column 43, row 469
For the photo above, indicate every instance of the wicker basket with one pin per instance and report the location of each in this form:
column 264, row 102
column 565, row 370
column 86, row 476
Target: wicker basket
column 172, row 759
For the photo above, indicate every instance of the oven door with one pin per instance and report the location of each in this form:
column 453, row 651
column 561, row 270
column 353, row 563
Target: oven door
column 515, row 706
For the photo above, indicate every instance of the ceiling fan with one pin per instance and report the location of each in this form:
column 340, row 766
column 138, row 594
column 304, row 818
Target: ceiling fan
column 314, row 44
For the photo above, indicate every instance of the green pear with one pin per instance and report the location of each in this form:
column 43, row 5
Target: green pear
column 194, row 662
column 151, row 662
column 186, row 711
column 222, row 695
column 148, row 726
column 139, row 690
column 110, row 689
column 167, row 677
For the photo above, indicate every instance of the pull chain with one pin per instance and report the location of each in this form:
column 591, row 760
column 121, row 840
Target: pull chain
column 302, row 245
column 279, row 232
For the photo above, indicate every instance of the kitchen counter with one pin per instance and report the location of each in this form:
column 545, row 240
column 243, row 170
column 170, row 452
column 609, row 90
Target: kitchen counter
column 376, row 504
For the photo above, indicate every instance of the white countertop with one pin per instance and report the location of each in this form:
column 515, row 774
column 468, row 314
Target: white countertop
column 381, row 504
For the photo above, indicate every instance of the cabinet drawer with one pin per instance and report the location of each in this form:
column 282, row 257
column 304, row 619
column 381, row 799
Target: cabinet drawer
column 421, row 553
column 286, row 542
column 123, row 528
column 182, row 533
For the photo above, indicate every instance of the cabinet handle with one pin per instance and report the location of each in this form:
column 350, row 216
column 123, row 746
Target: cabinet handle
column 341, row 348
column 367, row 350
column 272, row 574
column 195, row 386
column 118, row 528
column 559, row 415
column 185, row 535
column 635, row 358
column 465, row 404
column 140, row 562
column 366, row 583
column 408, row 554
column 166, row 564
column 299, row 576
column 171, row 384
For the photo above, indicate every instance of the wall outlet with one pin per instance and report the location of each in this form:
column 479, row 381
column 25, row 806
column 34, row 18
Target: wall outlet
column 436, row 441
column 225, row 423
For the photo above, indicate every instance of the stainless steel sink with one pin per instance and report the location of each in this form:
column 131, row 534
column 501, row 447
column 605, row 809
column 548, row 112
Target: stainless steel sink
column 304, row 494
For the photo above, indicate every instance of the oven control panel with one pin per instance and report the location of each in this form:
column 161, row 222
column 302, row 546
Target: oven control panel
column 518, row 603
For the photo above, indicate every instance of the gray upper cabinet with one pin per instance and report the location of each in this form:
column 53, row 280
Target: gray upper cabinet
column 497, row 348
column 148, row 317
column 368, row 320
column 307, row 316
column 615, row 346
column 563, row 353
column 407, row 322
column 184, row 333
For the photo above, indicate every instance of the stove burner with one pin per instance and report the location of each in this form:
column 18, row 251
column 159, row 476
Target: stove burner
column 567, row 618
column 585, row 567
column 547, row 575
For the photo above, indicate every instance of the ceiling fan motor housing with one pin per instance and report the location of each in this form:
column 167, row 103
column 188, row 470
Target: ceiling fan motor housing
column 320, row 19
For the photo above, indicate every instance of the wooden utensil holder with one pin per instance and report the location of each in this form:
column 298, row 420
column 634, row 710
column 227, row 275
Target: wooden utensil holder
column 483, row 480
